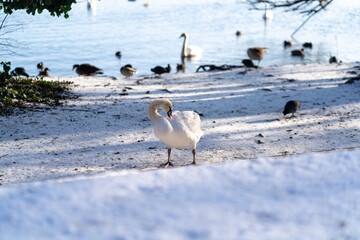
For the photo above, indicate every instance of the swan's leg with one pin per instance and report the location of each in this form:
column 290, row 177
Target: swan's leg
column 168, row 162
column 193, row 152
column 165, row 165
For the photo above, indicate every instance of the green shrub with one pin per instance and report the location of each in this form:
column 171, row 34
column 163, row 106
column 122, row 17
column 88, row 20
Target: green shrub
column 19, row 92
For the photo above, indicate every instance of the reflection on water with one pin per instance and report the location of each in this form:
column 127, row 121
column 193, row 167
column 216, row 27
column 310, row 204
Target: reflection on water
column 148, row 36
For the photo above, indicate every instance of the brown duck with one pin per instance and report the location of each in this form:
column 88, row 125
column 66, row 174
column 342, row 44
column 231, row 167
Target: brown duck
column 44, row 73
column 86, row 69
column 127, row 70
column 256, row 53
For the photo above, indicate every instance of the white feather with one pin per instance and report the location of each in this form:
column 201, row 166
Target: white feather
column 194, row 51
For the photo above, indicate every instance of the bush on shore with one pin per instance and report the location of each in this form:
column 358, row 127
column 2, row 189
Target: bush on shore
column 18, row 92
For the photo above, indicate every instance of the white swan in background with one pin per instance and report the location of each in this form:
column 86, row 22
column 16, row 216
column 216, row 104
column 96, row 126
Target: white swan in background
column 268, row 15
column 91, row 4
column 191, row 51
column 179, row 129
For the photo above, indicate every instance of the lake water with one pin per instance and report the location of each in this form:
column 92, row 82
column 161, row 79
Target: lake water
column 149, row 36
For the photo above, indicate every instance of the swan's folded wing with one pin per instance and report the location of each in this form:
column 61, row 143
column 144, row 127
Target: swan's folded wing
column 194, row 51
column 191, row 120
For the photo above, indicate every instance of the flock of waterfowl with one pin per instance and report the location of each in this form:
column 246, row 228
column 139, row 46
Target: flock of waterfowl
column 187, row 52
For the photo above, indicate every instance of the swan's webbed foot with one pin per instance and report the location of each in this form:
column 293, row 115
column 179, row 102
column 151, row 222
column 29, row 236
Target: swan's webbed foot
column 165, row 165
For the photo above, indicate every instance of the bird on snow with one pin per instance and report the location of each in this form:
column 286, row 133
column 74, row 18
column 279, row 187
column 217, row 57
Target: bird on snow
column 127, row 70
column 19, row 71
column 333, row 59
column 86, row 69
column 291, row 107
column 179, row 129
column 248, row 63
column 160, row 70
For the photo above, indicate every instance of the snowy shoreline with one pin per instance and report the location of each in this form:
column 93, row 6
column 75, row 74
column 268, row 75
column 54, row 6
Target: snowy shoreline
column 309, row 196
column 76, row 171
column 107, row 127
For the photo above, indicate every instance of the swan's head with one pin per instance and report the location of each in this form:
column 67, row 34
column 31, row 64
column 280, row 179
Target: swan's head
column 183, row 35
column 75, row 66
column 163, row 104
column 167, row 107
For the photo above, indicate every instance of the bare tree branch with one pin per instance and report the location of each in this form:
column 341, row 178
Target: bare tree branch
column 305, row 7
column 8, row 45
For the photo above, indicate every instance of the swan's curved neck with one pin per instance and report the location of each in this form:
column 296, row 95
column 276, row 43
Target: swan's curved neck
column 183, row 53
column 152, row 110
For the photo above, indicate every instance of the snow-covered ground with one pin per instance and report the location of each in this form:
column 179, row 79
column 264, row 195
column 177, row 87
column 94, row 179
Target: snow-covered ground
column 314, row 196
column 89, row 169
column 106, row 130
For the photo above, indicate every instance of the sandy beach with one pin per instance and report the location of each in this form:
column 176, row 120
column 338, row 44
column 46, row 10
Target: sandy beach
column 106, row 128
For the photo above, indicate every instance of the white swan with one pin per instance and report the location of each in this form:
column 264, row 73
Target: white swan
column 268, row 15
column 91, row 4
column 191, row 51
column 179, row 129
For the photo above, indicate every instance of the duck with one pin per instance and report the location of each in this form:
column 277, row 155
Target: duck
column 118, row 54
column 333, row 59
column 191, row 51
column 238, row 33
column 307, row 45
column 299, row 53
column 288, row 43
column 44, row 73
column 248, row 63
column 256, row 53
column 160, row 70
column 40, row 65
column 291, row 107
column 179, row 129
column 268, row 15
column 19, row 71
column 127, row 70
column 86, row 69
column 180, row 67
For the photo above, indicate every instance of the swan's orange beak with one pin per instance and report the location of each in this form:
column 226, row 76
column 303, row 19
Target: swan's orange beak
column 169, row 113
